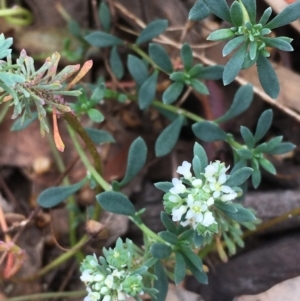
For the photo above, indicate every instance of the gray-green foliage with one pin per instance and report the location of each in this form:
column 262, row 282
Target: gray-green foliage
column 249, row 38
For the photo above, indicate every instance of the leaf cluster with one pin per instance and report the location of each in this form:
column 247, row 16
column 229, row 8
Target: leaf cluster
column 250, row 39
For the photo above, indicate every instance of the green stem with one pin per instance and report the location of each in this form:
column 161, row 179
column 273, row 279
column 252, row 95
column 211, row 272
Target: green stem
column 143, row 54
column 147, row 231
column 52, row 295
column 4, row 111
column 71, row 200
column 58, row 261
column 86, row 161
column 17, row 15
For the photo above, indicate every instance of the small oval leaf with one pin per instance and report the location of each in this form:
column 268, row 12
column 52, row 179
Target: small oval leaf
column 208, row 131
column 160, row 57
column 152, row 30
column 239, row 176
column 116, row 202
column 99, row 136
column 241, row 102
column 101, row 39
column 53, row 196
column 160, row 250
column 136, row 160
column 168, row 137
column 147, row 91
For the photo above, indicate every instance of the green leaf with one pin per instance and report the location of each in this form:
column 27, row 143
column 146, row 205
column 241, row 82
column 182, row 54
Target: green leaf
column 99, row 136
column 282, row 148
column 197, row 168
column 104, row 16
column 10, row 79
column 198, row 239
column 225, row 207
column 221, row 34
column 199, row 11
column 239, row 176
column 180, row 268
column 116, row 63
column 241, row 102
column 161, row 283
column 147, row 91
column 263, row 124
column 272, row 143
column 278, row 43
column 164, row 186
column 178, row 76
column 194, row 72
column 160, row 57
column 229, row 244
column 199, row 86
column 186, row 55
column 265, row 16
column 95, row 115
column 219, row 8
column 250, row 6
column 208, row 131
column 247, row 136
column 290, row 14
column 244, row 153
column 152, row 30
column 53, row 196
column 267, row 165
column 211, row 72
column 236, row 14
column 234, row 65
column 232, row 45
column 192, row 257
column 201, row 154
column 101, row 39
column 168, row 137
column 198, row 274
column 160, row 250
column 116, row 202
column 242, row 215
column 173, row 92
column 256, row 178
column 167, row 222
column 137, row 69
column 253, row 50
column 22, row 123
column 136, row 160
column 169, row 237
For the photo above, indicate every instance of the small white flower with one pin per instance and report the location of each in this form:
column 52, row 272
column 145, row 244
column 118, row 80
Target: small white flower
column 196, row 211
column 106, row 298
column 210, row 201
column 184, row 170
column 87, row 276
column 92, row 296
column 217, row 187
column 177, row 213
column 197, row 183
column 190, row 221
column 208, row 219
column 174, row 198
column 104, row 290
column 118, row 274
column 99, row 277
column 121, row 296
column 229, row 197
column 178, row 186
column 109, row 281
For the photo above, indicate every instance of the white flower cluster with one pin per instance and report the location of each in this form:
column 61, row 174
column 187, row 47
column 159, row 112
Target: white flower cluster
column 106, row 282
column 190, row 198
